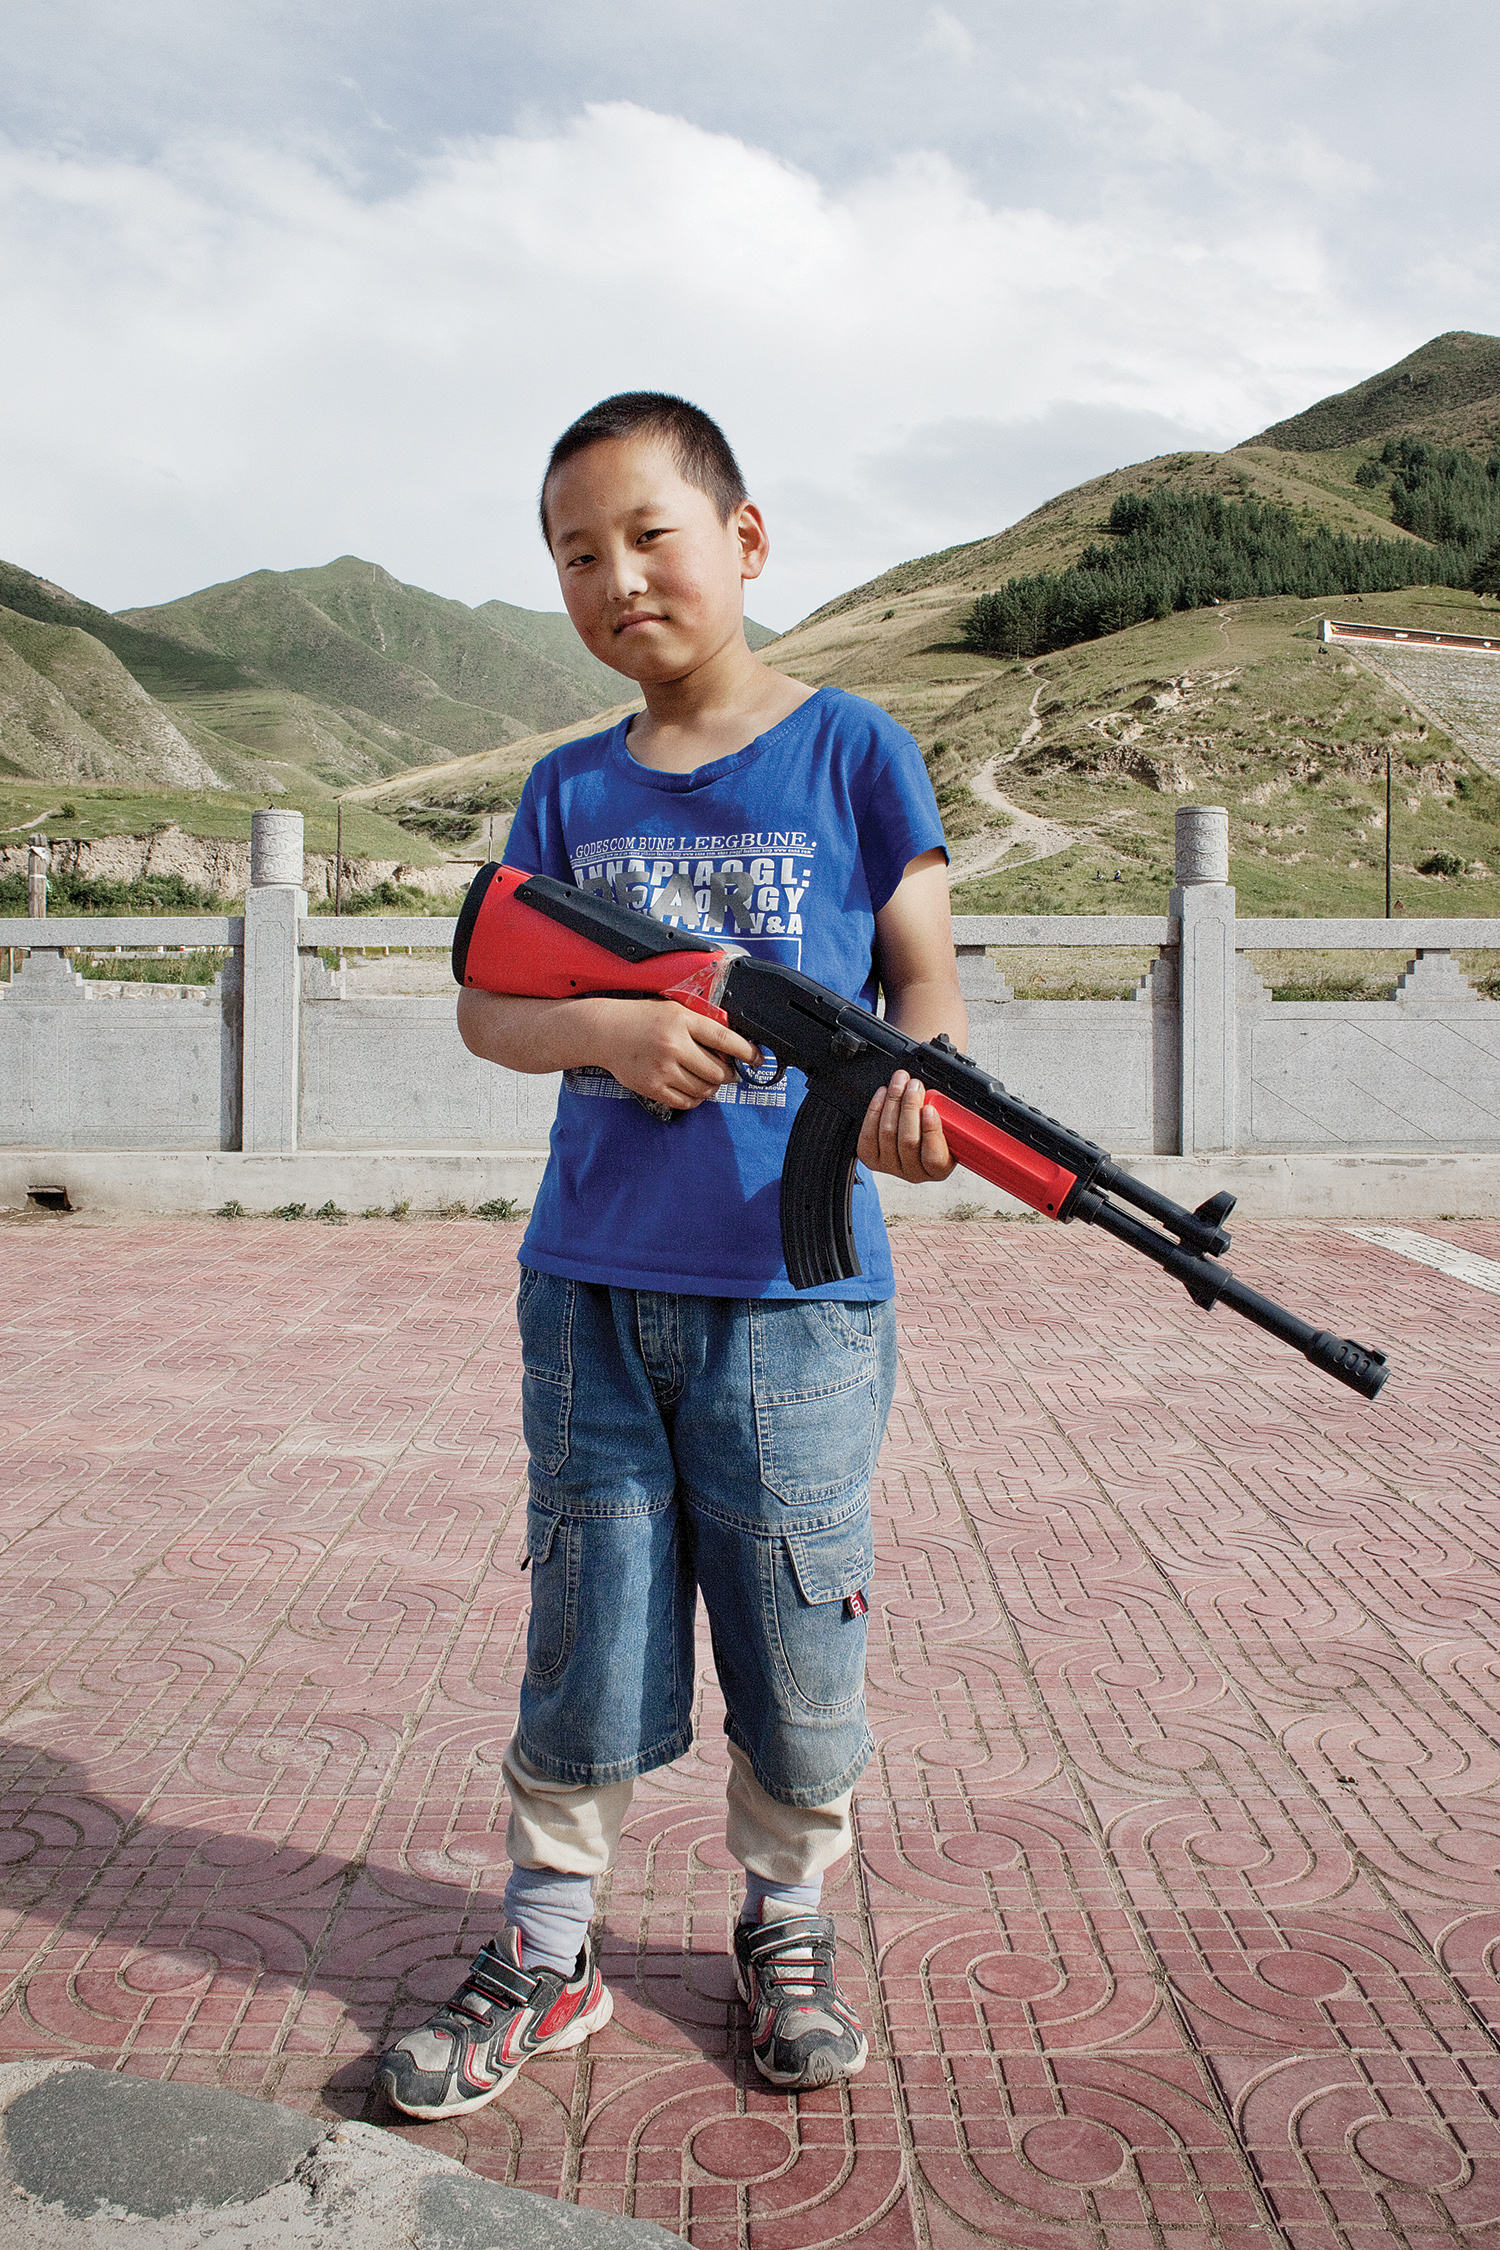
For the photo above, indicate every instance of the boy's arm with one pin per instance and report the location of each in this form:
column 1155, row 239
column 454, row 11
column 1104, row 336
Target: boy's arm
column 919, row 976
column 657, row 1049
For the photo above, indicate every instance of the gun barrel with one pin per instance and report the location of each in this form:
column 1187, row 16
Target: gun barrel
column 1359, row 1365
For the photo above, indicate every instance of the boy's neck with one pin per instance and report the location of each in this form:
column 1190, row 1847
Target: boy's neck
column 713, row 711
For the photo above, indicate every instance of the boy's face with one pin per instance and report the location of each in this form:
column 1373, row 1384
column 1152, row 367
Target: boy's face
column 650, row 576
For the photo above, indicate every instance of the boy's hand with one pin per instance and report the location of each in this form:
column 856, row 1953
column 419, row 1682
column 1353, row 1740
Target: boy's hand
column 901, row 1135
column 670, row 1054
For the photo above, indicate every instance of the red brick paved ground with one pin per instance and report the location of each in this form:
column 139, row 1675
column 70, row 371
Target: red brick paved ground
column 1177, row 1910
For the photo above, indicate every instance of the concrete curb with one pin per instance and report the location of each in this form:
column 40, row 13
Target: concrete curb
column 184, row 1183
column 97, row 2160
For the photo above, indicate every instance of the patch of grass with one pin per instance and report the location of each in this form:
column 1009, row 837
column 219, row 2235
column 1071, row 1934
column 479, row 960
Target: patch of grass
column 384, row 897
column 451, row 1211
column 498, row 1207
column 198, row 967
column 219, row 815
column 1058, row 972
column 1330, row 976
column 69, row 893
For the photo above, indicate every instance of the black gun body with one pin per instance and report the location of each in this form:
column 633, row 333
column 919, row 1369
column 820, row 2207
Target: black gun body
column 846, row 1055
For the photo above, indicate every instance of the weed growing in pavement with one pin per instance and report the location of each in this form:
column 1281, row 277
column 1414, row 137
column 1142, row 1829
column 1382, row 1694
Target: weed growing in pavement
column 451, row 1211
column 401, row 1210
column 290, row 1211
column 330, row 1214
column 498, row 1207
column 230, row 1210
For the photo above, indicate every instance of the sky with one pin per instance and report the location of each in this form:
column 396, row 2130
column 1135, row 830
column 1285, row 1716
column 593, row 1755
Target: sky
column 280, row 282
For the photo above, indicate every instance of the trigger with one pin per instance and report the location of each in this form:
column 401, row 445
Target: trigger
column 747, row 1073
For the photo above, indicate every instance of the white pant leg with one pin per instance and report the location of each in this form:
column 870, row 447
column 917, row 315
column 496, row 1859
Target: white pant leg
column 783, row 1843
column 560, row 1824
column 576, row 1829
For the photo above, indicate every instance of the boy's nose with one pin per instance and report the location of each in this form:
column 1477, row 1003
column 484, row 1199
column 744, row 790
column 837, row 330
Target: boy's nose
column 627, row 578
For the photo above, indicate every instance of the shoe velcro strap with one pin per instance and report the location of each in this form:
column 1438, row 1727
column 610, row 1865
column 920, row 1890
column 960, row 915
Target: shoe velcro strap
column 810, row 1936
column 494, row 1977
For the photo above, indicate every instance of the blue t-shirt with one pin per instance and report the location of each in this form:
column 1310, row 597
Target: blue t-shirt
column 789, row 848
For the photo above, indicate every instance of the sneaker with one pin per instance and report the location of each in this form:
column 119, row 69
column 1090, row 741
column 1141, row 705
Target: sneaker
column 470, row 2049
column 802, row 2030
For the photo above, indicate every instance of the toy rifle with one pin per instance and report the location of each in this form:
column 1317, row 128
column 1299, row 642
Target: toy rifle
column 531, row 935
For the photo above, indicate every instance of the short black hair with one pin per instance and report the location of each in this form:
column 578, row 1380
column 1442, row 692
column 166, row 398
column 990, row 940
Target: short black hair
column 703, row 454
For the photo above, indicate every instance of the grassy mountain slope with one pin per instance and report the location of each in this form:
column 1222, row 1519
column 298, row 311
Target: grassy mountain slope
column 1448, row 391
column 453, row 803
column 409, row 672
column 1060, row 779
column 286, row 685
column 1056, row 774
column 69, row 709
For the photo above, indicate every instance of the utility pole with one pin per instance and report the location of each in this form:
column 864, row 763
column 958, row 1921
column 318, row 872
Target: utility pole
column 1388, row 835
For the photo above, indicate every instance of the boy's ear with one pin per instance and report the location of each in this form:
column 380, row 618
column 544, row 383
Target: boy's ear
column 754, row 539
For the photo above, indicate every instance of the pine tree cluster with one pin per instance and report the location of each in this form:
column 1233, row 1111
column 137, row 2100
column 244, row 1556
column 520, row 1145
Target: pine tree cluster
column 1184, row 550
column 1442, row 493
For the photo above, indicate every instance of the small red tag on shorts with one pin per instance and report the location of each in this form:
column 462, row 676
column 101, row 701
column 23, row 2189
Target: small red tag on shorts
column 855, row 1605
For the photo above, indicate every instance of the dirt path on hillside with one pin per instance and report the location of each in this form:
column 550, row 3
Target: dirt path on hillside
column 1029, row 836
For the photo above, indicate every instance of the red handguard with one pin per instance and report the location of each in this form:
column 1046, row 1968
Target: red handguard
column 1008, row 1163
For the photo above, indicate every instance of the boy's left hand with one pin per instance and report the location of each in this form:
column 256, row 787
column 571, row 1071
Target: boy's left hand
column 902, row 1136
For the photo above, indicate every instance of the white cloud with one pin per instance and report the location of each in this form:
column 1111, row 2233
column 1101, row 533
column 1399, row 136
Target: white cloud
column 229, row 358
column 945, row 35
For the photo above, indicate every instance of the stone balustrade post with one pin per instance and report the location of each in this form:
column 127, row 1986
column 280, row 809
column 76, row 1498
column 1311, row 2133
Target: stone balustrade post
column 1203, row 901
column 274, row 904
column 38, row 862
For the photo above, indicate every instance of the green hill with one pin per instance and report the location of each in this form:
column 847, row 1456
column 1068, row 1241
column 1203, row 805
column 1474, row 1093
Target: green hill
column 69, row 710
column 1058, row 773
column 1449, row 391
column 286, row 684
column 408, row 673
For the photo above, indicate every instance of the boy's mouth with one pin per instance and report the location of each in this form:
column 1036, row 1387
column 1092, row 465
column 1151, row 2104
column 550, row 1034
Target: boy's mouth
column 639, row 617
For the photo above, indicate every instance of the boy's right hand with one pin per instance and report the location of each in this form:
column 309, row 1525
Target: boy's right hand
column 667, row 1053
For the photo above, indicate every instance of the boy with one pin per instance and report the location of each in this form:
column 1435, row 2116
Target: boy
column 693, row 1424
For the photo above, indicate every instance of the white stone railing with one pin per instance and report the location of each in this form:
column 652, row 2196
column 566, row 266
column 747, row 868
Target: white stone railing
column 281, row 1058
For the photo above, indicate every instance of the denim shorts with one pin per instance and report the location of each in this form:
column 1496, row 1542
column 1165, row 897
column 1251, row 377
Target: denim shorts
column 681, row 1444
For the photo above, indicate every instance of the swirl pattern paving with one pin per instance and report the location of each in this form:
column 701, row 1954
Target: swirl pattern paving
column 1176, row 1914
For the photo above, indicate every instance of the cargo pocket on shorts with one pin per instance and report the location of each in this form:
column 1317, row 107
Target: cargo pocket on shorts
column 814, row 1574
column 815, row 1373
column 544, row 1315
column 553, row 1627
